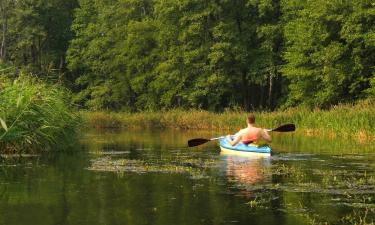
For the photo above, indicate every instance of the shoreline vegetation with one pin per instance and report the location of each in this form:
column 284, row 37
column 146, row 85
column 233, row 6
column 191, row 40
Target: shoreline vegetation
column 354, row 121
column 35, row 116
column 141, row 56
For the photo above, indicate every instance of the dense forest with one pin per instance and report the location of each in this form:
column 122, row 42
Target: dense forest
column 136, row 55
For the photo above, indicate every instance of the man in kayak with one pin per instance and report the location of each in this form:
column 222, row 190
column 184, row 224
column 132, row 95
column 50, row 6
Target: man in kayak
column 250, row 134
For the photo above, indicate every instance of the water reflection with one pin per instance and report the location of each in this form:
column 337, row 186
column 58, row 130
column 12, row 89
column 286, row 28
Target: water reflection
column 246, row 172
column 61, row 190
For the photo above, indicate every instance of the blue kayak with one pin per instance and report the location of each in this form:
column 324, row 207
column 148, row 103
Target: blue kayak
column 243, row 149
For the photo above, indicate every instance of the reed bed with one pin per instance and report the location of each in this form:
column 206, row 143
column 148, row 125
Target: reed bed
column 34, row 116
column 355, row 120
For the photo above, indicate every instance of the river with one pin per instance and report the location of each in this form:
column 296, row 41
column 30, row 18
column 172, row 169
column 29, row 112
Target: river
column 151, row 177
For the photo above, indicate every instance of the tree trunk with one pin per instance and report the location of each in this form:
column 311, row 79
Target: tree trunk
column 62, row 63
column 245, row 92
column 25, row 61
column 4, row 30
column 33, row 55
column 261, row 98
column 270, row 90
column 39, row 53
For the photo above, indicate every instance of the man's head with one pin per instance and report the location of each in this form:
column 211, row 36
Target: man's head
column 250, row 119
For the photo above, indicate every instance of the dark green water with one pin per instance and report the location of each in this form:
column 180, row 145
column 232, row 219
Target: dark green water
column 133, row 177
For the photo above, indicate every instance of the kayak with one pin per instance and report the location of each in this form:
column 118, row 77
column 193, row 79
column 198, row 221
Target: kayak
column 243, row 149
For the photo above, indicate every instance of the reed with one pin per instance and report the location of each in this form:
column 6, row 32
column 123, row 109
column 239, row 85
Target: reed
column 356, row 120
column 34, row 116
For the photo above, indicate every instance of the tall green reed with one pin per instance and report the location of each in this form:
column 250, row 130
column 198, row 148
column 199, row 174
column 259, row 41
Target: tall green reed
column 34, row 116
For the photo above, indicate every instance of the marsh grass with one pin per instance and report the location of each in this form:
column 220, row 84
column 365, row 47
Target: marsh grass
column 259, row 202
column 358, row 217
column 34, row 116
column 356, row 121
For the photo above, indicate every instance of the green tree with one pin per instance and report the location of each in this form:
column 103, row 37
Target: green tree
column 329, row 58
column 5, row 14
column 111, row 50
column 184, row 42
column 35, row 34
column 150, row 55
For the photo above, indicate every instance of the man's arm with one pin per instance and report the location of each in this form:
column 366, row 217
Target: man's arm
column 265, row 135
column 235, row 141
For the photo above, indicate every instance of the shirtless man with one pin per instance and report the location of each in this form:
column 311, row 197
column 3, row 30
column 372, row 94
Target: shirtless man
column 250, row 134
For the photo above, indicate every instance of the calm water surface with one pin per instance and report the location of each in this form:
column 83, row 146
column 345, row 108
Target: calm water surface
column 134, row 177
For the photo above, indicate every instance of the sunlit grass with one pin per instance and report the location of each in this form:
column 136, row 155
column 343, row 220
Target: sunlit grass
column 349, row 120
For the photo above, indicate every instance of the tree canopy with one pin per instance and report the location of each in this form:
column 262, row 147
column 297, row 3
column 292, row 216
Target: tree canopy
column 137, row 55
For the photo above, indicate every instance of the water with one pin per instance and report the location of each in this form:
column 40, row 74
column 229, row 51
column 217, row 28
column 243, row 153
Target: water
column 151, row 177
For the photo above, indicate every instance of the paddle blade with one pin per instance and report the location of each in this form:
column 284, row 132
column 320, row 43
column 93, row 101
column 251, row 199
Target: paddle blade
column 285, row 128
column 197, row 141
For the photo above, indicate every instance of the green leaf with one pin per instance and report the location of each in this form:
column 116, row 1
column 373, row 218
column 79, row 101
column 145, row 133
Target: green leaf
column 19, row 100
column 3, row 124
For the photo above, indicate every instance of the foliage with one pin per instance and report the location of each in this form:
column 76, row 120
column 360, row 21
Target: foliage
column 34, row 116
column 329, row 54
column 149, row 55
column 35, row 34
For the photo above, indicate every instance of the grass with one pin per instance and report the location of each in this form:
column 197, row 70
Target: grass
column 354, row 120
column 34, row 116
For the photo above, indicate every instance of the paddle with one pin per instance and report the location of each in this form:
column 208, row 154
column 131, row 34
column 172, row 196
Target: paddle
column 283, row 128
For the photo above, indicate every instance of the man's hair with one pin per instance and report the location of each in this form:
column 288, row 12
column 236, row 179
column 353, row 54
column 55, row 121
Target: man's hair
column 251, row 119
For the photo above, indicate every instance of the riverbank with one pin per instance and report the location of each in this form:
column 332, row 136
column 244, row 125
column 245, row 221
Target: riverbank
column 354, row 120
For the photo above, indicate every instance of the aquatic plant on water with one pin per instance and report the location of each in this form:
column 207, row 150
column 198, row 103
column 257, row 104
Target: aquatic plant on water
column 34, row 116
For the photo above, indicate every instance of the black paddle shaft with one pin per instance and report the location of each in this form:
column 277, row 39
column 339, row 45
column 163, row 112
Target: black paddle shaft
column 197, row 141
column 285, row 128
